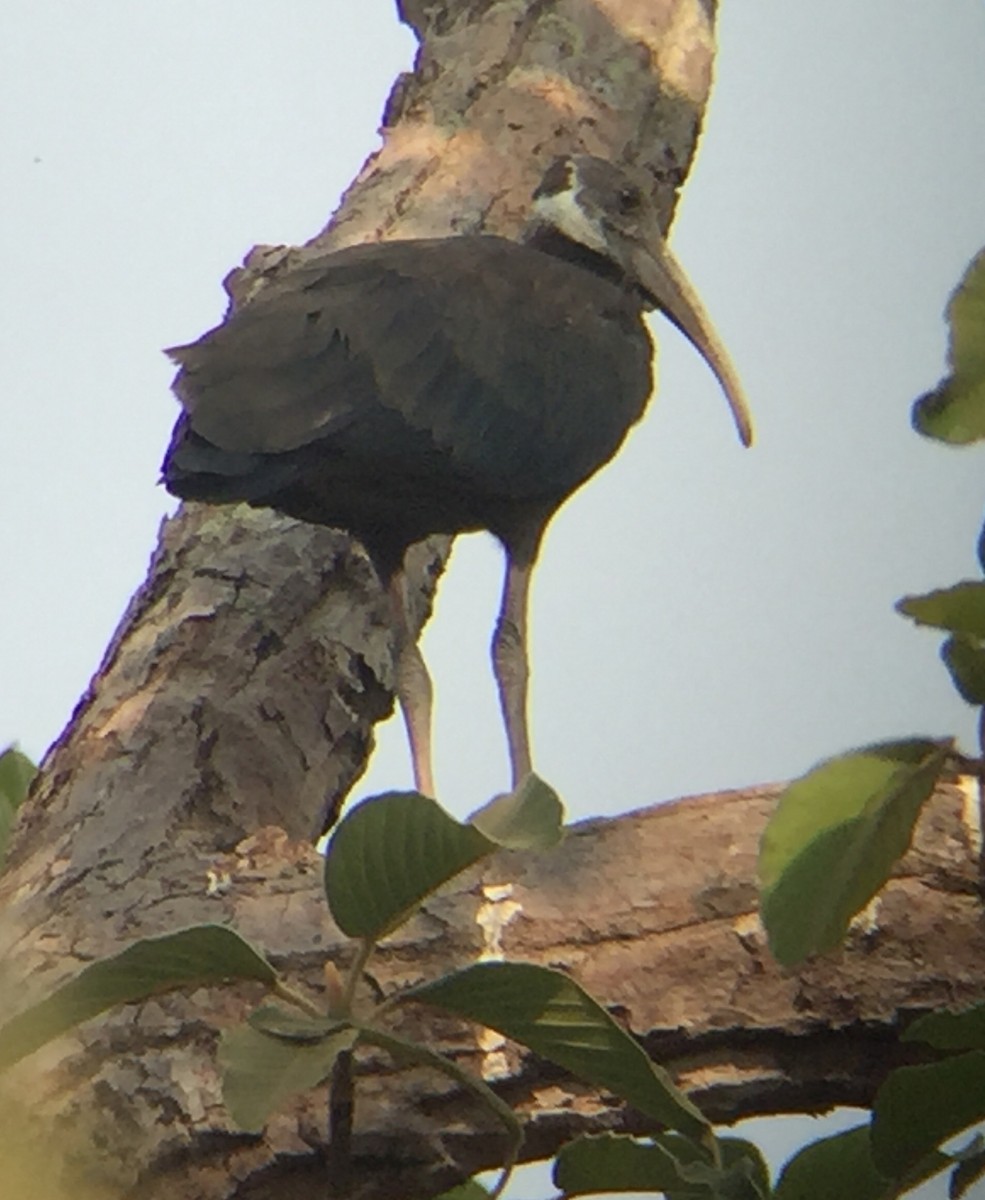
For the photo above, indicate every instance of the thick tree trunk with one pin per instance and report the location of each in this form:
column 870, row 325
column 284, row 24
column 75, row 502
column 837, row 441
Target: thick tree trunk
column 238, row 697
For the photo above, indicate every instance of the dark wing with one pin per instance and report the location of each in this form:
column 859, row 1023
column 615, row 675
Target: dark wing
column 505, row 370
column 280, row 373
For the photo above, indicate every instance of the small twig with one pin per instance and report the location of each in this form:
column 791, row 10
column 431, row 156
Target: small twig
column 286, row 992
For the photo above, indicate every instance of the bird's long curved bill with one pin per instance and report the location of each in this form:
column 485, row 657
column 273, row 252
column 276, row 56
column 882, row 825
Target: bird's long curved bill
column 663, row 277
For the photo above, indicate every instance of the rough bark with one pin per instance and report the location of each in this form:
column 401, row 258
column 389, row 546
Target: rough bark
column 237, row 701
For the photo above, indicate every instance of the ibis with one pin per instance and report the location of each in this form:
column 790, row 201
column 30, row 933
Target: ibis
column 441, row 385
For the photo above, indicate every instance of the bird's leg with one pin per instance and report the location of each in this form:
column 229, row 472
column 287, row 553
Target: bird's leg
column 413, row 686
column 509, row 655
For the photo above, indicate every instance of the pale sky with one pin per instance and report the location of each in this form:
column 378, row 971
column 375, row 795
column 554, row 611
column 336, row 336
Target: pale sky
column 703, row 617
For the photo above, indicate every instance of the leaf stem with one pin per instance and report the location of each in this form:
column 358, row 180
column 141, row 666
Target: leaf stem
column 401, row 1049
column 366, row 948
column 286, row 992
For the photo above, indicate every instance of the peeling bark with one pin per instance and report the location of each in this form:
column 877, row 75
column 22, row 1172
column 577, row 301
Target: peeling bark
column 234, row 710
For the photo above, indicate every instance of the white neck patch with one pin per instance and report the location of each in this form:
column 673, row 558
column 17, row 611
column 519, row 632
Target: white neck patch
column 565, row 214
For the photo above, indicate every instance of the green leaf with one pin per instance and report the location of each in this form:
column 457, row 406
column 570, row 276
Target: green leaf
column 834, row 838
column 203, row 954
column 950, row 1031
column 290, row 1026
column 388, row 855
column 470, row 1190
column 744, row 1173
column 549, row 1013
column 843, row 1165
column 955, row 410
column 528, row 819
column 964, row 657
column 917, row 1108
column 611, row 1162
column 260, row 1071
column 616, row 1163
column 959, row 609
column 16, row 775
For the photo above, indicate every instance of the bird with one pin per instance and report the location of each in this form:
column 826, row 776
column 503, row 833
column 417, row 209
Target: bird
column 406, row 388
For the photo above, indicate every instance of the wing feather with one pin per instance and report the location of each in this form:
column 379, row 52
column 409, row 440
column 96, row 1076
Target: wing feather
column 517, row 370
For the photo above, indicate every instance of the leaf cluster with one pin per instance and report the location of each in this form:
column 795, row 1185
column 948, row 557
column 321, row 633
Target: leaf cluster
column 385, row 858
column 839, row 831
column 954, row 412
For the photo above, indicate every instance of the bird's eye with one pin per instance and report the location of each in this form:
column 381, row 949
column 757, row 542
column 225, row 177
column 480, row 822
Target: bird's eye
column 630, row 199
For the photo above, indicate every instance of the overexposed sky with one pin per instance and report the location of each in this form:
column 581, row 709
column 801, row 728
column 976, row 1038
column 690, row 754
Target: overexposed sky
column 703, row 617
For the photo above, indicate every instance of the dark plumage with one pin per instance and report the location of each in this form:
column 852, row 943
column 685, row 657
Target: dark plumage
column 401, row 389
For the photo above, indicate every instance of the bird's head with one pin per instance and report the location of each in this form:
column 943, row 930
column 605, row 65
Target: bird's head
column 610, row 211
